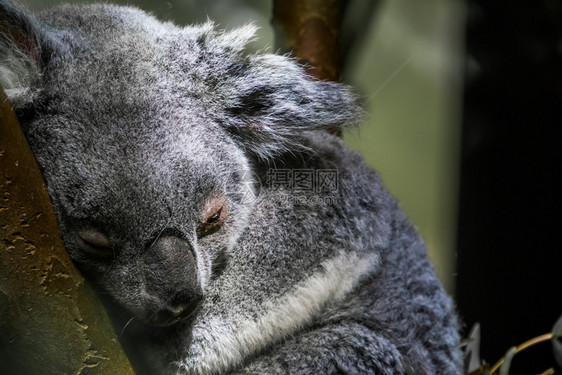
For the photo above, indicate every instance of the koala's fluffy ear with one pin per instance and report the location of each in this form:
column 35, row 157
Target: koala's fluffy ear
column 272, row 101
column 20, row 52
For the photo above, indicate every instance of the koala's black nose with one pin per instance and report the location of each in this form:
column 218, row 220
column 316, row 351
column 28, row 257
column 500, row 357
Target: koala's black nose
column 171, row 282
column 179, row 308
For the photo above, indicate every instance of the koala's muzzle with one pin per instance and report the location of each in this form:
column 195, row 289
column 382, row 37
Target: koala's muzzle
column 170, row 277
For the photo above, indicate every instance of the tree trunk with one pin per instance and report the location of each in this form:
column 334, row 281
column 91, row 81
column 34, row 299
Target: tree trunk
column 51, row 322
column 310, row 29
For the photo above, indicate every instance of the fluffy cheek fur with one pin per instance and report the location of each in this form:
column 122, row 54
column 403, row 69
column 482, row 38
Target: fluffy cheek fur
column 212, row 252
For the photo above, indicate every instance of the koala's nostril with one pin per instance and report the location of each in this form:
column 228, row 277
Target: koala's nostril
column 164, row 318
column 185, row 307
column 176, row 311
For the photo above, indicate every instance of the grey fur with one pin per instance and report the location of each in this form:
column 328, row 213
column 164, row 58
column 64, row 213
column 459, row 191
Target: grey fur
column 136, row 124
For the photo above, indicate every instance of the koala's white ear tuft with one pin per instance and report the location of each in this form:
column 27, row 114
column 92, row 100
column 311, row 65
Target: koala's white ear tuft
column 237, row 39
column 272, row 102
column 20, row 52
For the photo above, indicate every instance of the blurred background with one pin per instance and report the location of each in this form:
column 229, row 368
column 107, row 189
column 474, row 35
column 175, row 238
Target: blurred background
column 464, row 102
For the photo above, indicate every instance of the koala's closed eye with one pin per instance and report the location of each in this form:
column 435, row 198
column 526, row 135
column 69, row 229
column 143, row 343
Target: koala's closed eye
column 214, row 215
column 94, row 243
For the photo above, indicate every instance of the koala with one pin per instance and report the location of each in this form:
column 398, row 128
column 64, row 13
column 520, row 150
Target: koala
column 197, row 188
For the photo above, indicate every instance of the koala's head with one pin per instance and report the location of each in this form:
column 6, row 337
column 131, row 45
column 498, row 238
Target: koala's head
column 147, row 134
